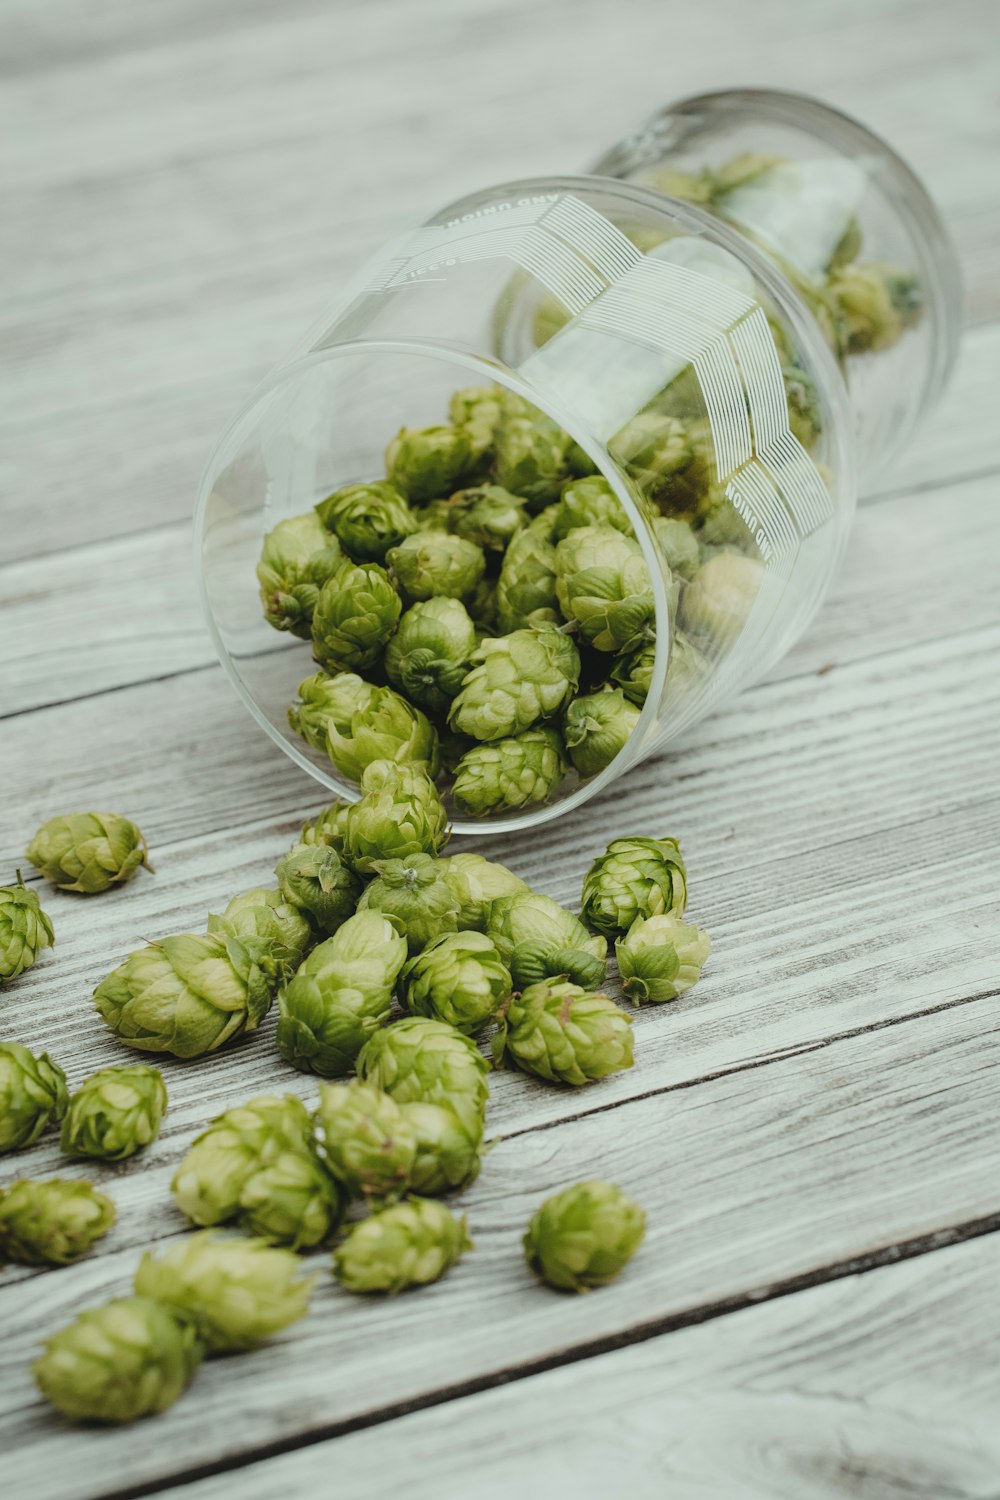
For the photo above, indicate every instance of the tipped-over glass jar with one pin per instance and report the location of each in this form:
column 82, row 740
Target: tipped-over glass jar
column 677, row 369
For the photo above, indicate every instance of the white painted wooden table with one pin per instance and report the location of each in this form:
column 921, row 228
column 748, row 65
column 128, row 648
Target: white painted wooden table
column 814, row 1130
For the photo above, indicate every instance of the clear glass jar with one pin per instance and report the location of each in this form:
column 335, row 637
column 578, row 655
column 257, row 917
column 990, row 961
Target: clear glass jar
column 677, row 356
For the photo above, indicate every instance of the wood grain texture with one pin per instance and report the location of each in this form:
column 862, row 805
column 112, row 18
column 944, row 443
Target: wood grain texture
column 879, row 1385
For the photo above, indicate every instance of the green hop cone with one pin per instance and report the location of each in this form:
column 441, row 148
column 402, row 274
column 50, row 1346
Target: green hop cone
column 477, row 883
column 564, row 1034
column 582, row 1237
column 539, row 939
column 428, row 462
column 88, row 852
column 187, row 995
column 115, row 1113
column 429, row 655
column 298, row 556
column 476, row 409
column 526, row 588
column 315, row 880
column 437, row 565
column 488, row 515
column 237, row 1292
column 340, row 996
column 653, row 449
column 717, row 602
column 365, row 1139
column 355, row 615
column 327, row 827
column 24, row 929
column 459, row 979
column 515, row 681
column 513, row 772
column 661, row 957
column 51, row 1223
column 448, row 1148
column 410, row 1244
column 589, row 502
column 419, row 1061
column 678, row 544
column 399, row 814
column 130, row 1358
column 255, row 1166
column 531, row 452
column 415, row 896
column 33, row 1095
column 633, row 672
column 634, row 877
column 272, row 931
column 368, row 519
column 875, row 302
column 687, row 670
column 597, row 727
column 603, row 585
column 355, row 723
column 434, row 517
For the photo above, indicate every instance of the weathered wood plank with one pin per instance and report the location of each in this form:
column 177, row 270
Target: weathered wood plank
column 901, row 1137
column 882, row 1384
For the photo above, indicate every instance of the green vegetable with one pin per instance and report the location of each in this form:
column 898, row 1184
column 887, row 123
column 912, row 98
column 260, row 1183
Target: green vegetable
column 634, row 877
column 365, row 1139
column 429, row 655
column 526, row 588
column 187, row 995
column 488, row 515
column 255, row 1166
column 238, row 1293
column 298, row 556
column 374, row 725
column 653, row 449
column 51, row 1223
column 33, row 1095
column 512, row 772
column 562, row 1033
column 24, row 929
column 329, row 703
column 419, row 1061
column 633, row 671
column 314, row 879
column 410, row 1244
column 531, row 452
column 115, row 1113
column 538, row 939
column 448, row 1148
column 584, row 1236
column 327, row 827
column 436, row 564
column 428, row 462
column 273, row 933
column 355, row 615
column 340, row 996
column 589, row 502
column 515, row 680
column 660, row 957
column 596, row 727
column 368, row 519
column 127, row 1359
column 476, row 883
column 88, row 852
column 399, row 814
column 717, row 602
column 476, row 409
column 603, row 585
column 458, row 978
column 415, row 895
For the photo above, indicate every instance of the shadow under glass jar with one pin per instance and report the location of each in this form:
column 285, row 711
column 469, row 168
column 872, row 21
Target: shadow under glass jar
column 675, row 356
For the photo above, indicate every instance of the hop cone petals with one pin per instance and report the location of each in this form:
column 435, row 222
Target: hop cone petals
column 633, row 671
column 329, row 704
column 538, row 939
column 436, row 564
column 355, row 614
column 51, row 1223
column 33, row 1095
column 660, row 957
column 327, row 827
column 127, row 1359
column 459, row 979
column 115, row 1113
column 88, row 852
column 298, row 556
column 513, row 772
column 526, row 588
column 584, row 1236
column 448, row 1150
column 426, row 463
column 516, row 680
column 476, row 883
column 237, row 1292
column 315, row 880
column 488, row 515
column 531, row 452
column 597, row 727
column 411, row 1244
column 399, row 815
column 365, row 1139
column 717, row 602
column 415, row 896
column 603, row 585
column 274, row 934
column 24, row 929
column 420, row 1061
column 678, row 544
column 368, row 519
column 589, row 502
column 381, row 726
column 429, row 655
column 187, row 995
column 634, row 877
column 562, row 1033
